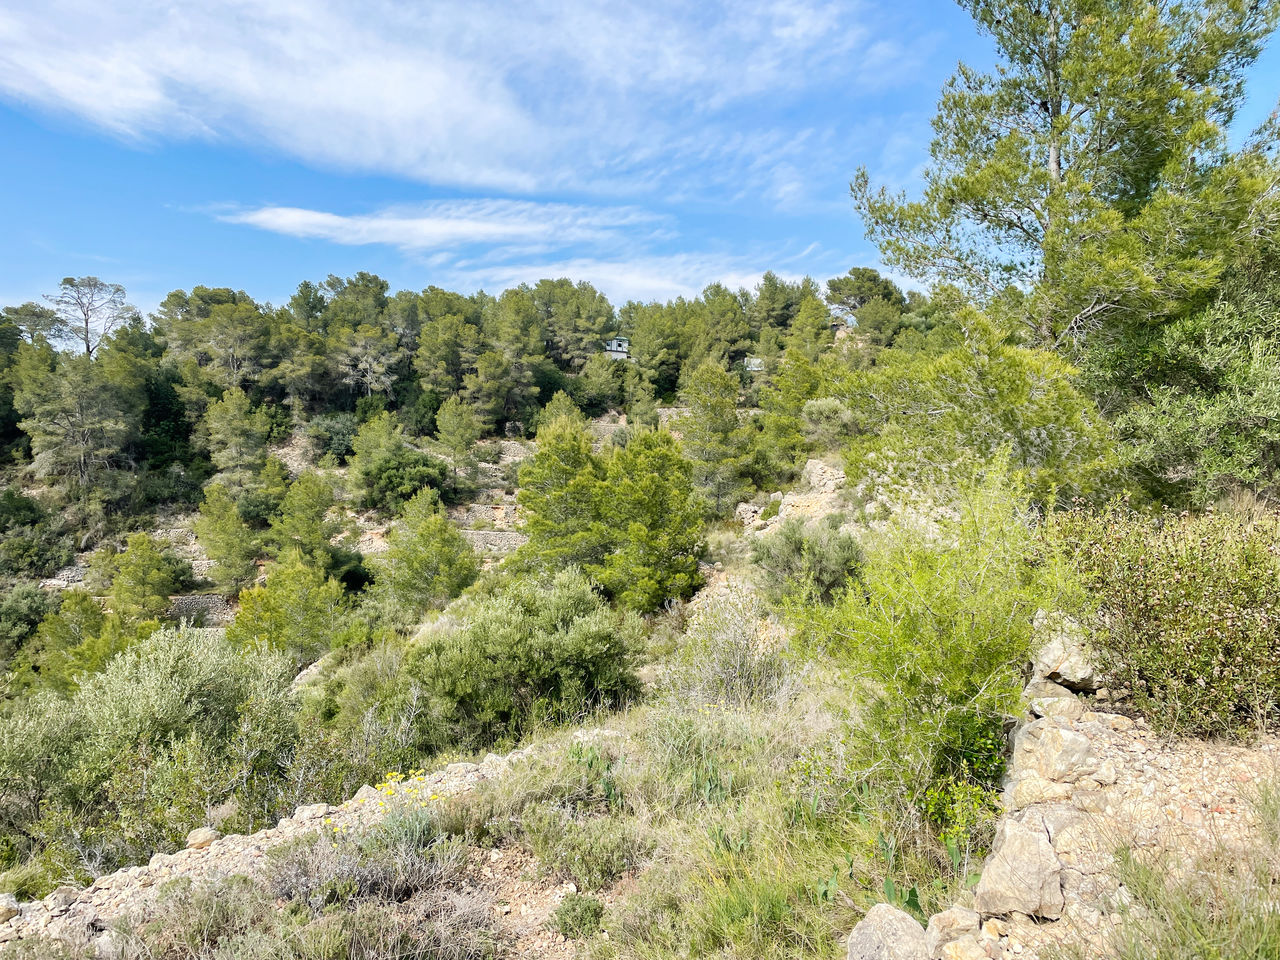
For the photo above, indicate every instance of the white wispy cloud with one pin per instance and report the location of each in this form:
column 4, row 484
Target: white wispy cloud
column 546, row 94
column 454, row 224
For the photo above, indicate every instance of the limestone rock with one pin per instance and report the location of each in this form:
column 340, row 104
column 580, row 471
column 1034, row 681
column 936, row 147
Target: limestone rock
column 948, row 926
column 1023, row 873
column 965, row 948
column 201, row 837
column 887, row 933
column 1063, row 657
column 8, row 907
column 1051, row 749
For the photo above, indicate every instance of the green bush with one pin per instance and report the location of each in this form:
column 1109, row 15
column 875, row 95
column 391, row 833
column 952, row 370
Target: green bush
column 577, row 917
column 813, row 562
column 386, row 470
column 334, row 434
column 21, row 611
column 938, row 636
column 534, row 650
column 1189, row 624
column 726, row 656
column 593, row 852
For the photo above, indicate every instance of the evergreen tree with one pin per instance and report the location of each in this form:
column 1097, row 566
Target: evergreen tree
column 427, row 562
column 227, row 539
column 236, row 434
column 458, row 428
column 294, row 611
column 303, row 524
column 712, row 436
column 650, row 516
column 558, row 496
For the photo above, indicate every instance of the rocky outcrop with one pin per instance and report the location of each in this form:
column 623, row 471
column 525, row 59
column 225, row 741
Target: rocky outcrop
column 1083, row 785
column 83, row 917
column 887, row 933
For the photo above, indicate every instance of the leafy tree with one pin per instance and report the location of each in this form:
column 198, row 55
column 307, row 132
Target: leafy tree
column 650, row 516
column 711, row 436
column 448, row 348
column 21, row 611
column 236, row 434
column 427, row 562
column 501, row 390
column 294, row 612
column 227, row 539
column 853, row 291
column 458, row 428
column 577, row 318
column 597, row 387
column 1091, row 168
column 368, row 359
column 88, row 310
column 302, row 523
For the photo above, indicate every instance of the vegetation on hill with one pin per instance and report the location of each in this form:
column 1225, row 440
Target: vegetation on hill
column 1078, row 417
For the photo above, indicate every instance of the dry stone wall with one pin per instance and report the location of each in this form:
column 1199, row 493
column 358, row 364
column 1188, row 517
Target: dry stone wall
column 1084, row 785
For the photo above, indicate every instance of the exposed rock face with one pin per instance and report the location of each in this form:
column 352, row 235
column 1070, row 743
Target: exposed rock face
column 202, row 837
column 8, row 906
column 1023, row 874
column 1063, row 657
column 1082, row 785
column 887, row 933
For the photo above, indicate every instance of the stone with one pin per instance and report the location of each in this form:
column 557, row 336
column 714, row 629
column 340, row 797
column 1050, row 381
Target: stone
column 201, row 837
column 1069, row 707
column 887, row 933
column 1063, row 657
column 965, row 948
column 61, row 898
column 312, row 811
column 947, row 926
column 1022, row 874
column 366, row 793
column 8, row 907
column 1054, row 751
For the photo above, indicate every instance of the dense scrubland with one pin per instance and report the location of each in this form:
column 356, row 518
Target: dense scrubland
column 1080, row 416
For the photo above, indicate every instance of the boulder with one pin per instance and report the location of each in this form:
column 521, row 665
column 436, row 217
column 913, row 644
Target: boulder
column 1023, row 874
column 201, row 837
column 8, row 907
column 947, row 927
column 1063, row 657
column 887, row 933
column 1050, row 748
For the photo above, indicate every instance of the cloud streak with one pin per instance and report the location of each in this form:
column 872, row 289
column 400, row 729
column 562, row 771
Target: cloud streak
column 544, row 95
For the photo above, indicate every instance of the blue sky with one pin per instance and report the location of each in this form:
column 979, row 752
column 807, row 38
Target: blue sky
column 648, row 147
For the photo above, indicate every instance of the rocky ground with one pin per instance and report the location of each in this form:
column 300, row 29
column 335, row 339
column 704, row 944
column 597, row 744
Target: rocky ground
column 1083, row 785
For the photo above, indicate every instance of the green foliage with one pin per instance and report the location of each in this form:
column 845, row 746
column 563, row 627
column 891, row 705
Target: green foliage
column 577, row 917
column 227, row 540
column 294, row 612
column 303, row 521
column 21, row 611
column 1188, row 619
column 926, row 415
column 712, row 436
column 593, row 852
column 106, row 775
column 334, row 433
column 629, row 518
column 727, row 656
column 939, row 634
column 458, row 428
column 1019, row 196
column 236, row 434
column 386, row 471
column 143, row 578
column 427, row 562
column 549, row 650
column 812, row 562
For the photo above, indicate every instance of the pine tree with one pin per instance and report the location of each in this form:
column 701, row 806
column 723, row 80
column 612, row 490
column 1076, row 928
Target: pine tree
column 427, row 562
column 294, row 611
column 458, row 428
column 559, row 490
column 712, row 436
column 227, row 539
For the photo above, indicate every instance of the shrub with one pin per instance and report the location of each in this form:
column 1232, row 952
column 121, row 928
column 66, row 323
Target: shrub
column 592, row 852
column 21, row 611
column 939, row 639
column 814, row 562
column 534, row 650
column 386, row 470
column 334, row 434
column 427, row 562
column 1189, row 622
column 577, row 917
column 726, row 655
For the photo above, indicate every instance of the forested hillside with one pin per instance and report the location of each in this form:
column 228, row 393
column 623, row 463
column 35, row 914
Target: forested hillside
column 789, row 551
